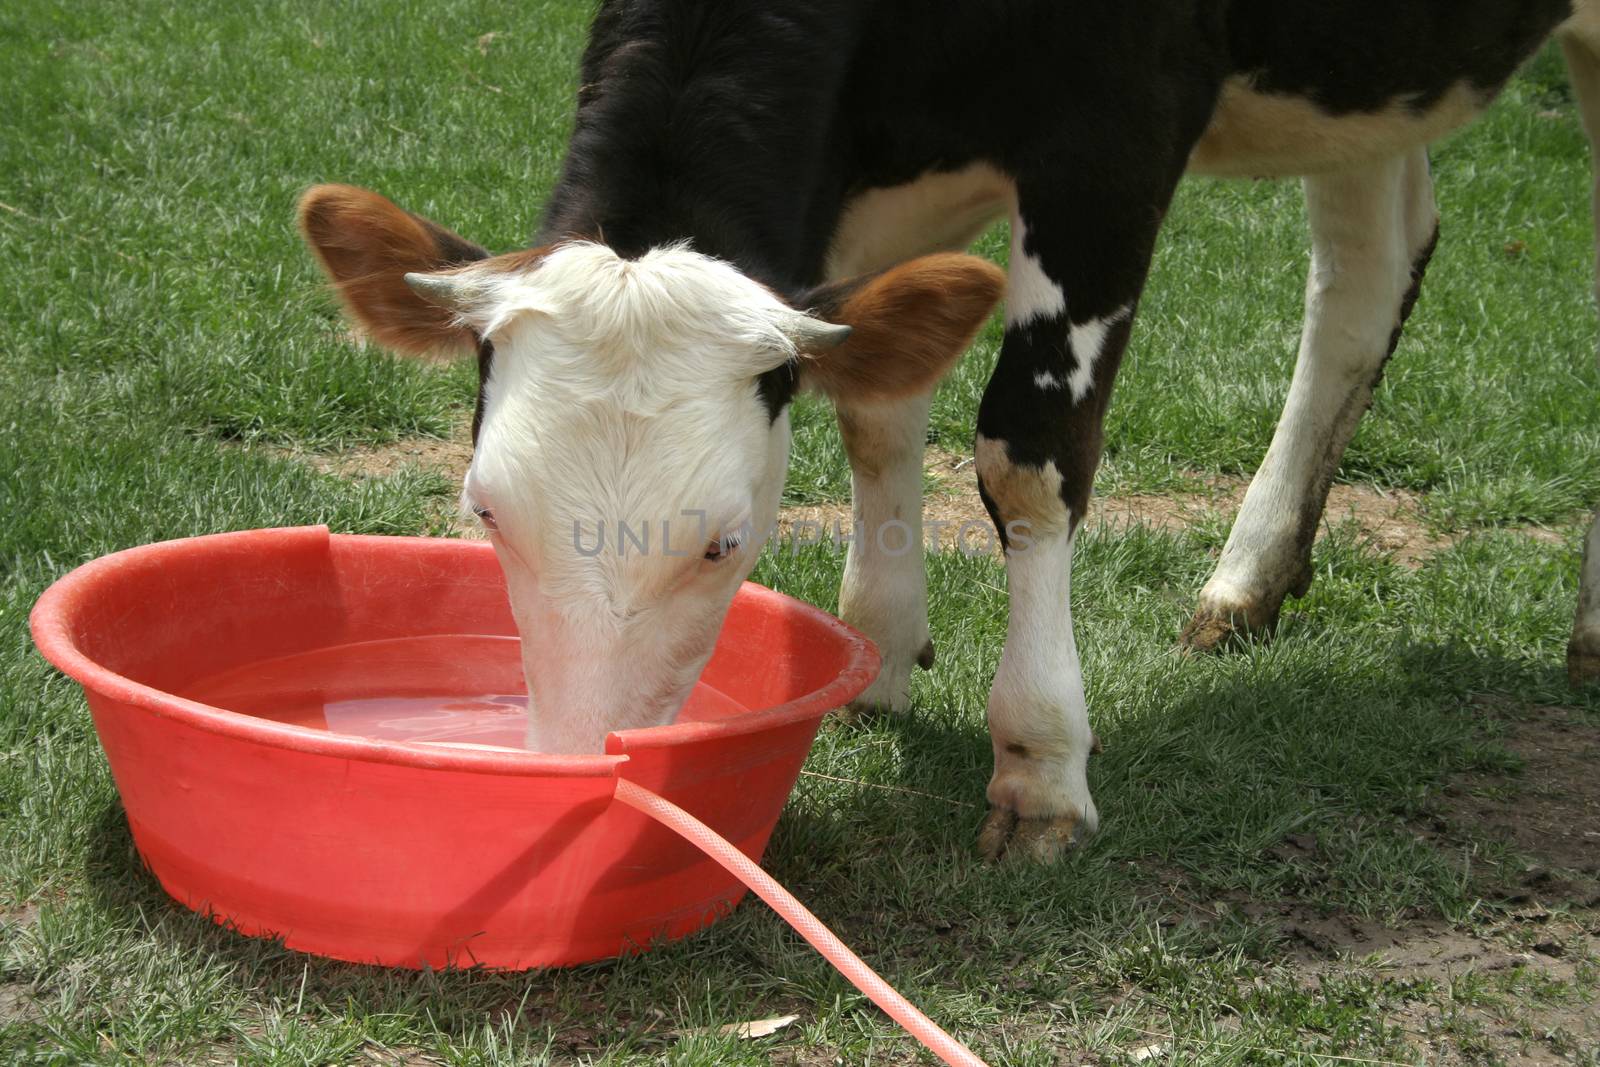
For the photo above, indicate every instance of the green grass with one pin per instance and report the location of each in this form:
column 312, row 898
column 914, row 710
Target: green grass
column 158, row 312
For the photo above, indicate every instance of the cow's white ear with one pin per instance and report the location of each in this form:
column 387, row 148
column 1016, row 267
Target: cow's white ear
column 810, row 335
column 458, row 291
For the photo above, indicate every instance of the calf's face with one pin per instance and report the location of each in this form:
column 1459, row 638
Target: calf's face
column 630, row 454
column 623, row 466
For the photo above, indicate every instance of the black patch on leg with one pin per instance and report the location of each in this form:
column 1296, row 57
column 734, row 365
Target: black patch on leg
column 994, row 515
column 1409, row 302
column 1306, row 534
column 1092, row 238
column 1045, row 426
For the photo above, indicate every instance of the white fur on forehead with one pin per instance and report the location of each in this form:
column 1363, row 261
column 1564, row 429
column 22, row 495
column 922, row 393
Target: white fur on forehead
column 615, row 309
column 625, row 391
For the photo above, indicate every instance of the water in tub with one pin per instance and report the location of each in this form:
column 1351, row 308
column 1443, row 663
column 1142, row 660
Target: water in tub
column 458, row 690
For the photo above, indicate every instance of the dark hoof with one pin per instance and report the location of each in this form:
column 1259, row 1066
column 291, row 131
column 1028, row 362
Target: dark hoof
column 1302, row 581
column 1583, row 661
column 864, row 714
column 926, row 656
column 1206, row 633
column 1007, row 836
column 1214, row 630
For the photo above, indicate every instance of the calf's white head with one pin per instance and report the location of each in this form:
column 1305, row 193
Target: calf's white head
column 631, row 439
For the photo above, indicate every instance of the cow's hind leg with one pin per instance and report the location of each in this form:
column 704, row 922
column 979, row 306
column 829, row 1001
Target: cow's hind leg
column 1583, row 652
column 1373, row 231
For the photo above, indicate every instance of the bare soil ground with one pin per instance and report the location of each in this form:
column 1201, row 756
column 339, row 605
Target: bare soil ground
column 1523, row 986
column 17, row 1004
column 448, row 455
column 1518, row 986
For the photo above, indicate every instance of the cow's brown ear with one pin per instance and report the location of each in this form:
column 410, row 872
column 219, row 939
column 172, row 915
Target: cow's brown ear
column 908, row 325
column 367, row 245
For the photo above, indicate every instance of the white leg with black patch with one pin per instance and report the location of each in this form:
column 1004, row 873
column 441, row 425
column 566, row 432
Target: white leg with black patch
column 1078, row 264
column 1372, row 231
column 1038, row 714
column 884, row 593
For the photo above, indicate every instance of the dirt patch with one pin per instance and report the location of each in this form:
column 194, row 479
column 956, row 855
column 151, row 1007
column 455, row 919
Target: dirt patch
column 1522, row 991
column 1494, row 1005
column 1523, row 986
column 397, row 1057
column 448, row 455
column 17, row 1002
column 1388, row 520
column 17, row 1005
column 20, row 918
column 1550, row 810
column 954, row 518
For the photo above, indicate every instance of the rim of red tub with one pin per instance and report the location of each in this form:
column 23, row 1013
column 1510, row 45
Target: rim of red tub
column 50, row 620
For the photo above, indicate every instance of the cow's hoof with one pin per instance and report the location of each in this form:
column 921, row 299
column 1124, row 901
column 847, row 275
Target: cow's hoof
column 1212, row 631
column 1230, row 615
column 866, row 713
column 1219, row 628
column 1007, row 836
column 1583, row 659
column 1207, row 633
column 888, row 696
column 886, row 699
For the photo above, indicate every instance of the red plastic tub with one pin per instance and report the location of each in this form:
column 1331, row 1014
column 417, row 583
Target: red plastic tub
column 281, row 814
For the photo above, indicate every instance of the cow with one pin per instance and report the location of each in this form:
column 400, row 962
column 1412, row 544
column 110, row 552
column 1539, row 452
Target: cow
column 763, row 196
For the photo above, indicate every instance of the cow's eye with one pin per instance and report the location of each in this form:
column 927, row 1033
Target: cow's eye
column 721, row 549
column 486, row 517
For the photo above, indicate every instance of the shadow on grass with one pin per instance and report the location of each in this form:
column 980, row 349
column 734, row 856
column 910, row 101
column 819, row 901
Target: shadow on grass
column 1198, row 790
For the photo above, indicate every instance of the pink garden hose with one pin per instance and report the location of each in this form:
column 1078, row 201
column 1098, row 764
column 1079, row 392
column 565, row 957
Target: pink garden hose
column 796, row 915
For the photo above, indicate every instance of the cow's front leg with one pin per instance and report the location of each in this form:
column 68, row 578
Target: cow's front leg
column 1077, row 266
column 884, row 593
column 1039, row 801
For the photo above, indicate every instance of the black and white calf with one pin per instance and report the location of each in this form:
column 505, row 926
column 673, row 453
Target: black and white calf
column 763, row 195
